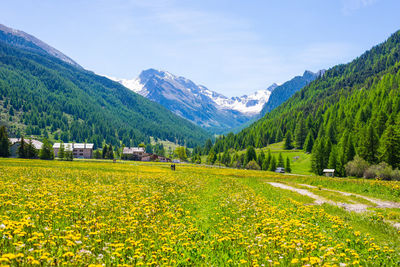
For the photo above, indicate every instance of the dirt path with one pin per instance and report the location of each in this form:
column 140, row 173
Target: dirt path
column 321, row 200
column 357, row 207
column 383, row 204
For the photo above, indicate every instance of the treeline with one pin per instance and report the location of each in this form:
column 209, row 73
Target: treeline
column 352, row 110
column 46, row 97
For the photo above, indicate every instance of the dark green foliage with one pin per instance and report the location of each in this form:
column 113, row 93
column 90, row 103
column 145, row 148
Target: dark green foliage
column 226, row 158
column 61, row 151
column 368, row 149
column 47, row 95
column 212, row 157
column 301, row 132
column 272, row 164
column 281, row 162
column 47, row 151
column 30, row 150
column 4, row 142
column 22, row 149
column 390, row 146
column 288, row 141
column 308, row 144
column 351, row 107
column 250, row 155
column 287, row 167
column 261, row 158
column 97, row 154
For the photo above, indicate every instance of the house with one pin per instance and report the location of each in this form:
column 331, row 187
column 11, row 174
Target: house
column 15, row 142
column 280, row 170
column 79, row 150
column 329, row 172
column 133, row 153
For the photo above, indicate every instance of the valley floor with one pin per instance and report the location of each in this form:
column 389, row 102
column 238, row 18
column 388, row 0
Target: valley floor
column 133, row 213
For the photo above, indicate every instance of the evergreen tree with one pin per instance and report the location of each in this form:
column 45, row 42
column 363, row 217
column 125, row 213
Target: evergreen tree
column 300, row 133
column 250, row 155
column 226, row 158
column 4, row 142
column 47, row 150
column 105, row 151
column 369, row 145
column 288, row 141
column 31, row 151
column 261, row 158
column 281, row 162
column 269, row 158
column 110, row 152
column 265, row 165
column 212, row 157
column 308, row 144
column 22, row 149
column 207, row 146
column 333, row 158
column 68, row 153
column 390, row 146
column 287, row 167
column 272, row 165
column 317, row 157
column 61, row 151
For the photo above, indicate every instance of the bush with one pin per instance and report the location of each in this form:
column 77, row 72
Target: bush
column 253, row 165
column 356, row 167
column 382, row 171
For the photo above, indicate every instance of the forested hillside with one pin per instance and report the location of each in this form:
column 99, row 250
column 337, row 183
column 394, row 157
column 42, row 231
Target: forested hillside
column 42, row 95
column 352, row 109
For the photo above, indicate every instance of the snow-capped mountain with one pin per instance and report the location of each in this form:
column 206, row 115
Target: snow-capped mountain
column 248, row 104
column 197, row 103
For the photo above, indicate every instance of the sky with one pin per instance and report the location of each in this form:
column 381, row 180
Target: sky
column 233, row 47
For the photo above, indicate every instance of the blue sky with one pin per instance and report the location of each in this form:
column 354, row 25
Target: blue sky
column 233, row 47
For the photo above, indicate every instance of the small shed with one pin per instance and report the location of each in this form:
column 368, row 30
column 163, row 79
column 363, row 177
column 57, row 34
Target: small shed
column 329, row 172
column 280, row 170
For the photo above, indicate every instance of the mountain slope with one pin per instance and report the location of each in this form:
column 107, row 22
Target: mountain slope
column 26, row 41
column 44, row 95
column 287, row 89
column 197, row 103
column 352, row 109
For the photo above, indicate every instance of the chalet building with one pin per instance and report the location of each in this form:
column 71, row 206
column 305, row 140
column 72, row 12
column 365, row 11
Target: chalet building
column 133, row 153
column 139, row 154
column 329, row 172
column 15, row 143
column 79, row 150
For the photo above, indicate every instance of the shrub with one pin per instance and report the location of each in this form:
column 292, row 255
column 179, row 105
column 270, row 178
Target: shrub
column 356, row 167
column 253, row 165
column 383, row 171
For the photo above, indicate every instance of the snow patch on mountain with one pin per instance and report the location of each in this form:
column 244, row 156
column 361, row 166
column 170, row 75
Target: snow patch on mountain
column 247, row 104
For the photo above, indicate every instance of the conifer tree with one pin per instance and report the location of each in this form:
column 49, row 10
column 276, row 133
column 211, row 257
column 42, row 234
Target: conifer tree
column 287, row 167
column 288, row 141
column 61, row 151
column 22, row 149
column 272, row 165
column 47, row 151
column 308, row 144
column 300, row 133
column 250, row 155
column 333, row 158
column 369, row 145
column 110, row 152
column 105, row 151
column 317, row 157
column 281, row 162
column 31, row 151
column 4, row 142
column 261, row 158
column 390, row 146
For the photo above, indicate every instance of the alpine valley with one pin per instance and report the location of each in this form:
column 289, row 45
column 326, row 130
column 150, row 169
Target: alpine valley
column 209, row 109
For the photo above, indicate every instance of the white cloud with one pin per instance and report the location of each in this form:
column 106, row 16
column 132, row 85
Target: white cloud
column 349, row 6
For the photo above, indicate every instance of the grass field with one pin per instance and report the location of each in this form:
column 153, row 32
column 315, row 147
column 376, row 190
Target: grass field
column 299, row 160
column 129, row 213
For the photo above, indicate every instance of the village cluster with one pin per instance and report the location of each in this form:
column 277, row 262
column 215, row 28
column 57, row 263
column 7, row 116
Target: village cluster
column 85, row 150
